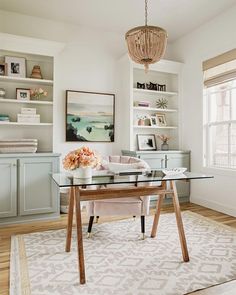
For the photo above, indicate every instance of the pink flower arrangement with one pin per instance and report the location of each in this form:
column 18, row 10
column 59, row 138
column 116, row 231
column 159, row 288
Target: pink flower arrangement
column 164, row 138
column 38, row 93
column 83, row 157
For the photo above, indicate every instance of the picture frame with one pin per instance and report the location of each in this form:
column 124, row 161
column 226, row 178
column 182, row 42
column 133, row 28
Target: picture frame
column 22, row 93
column 153, row 121
column 161, row 119
column 3, row 69
column 90, row 116
column 16, row 66
column 146, row 142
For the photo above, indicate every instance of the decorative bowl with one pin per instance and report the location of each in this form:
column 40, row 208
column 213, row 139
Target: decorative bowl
column 174, row 171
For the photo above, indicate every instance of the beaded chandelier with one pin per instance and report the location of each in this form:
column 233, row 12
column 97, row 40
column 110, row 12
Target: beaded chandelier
column 146, row 44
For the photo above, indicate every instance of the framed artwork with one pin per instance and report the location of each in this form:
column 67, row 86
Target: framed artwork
column 153, row 121
column 3, row 69
column 161, row 119
column 146, row 142
column 15, row 66
column 22, row 94
column 90, row 116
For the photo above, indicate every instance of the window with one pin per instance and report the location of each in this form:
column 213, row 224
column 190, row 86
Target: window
column 220, row 111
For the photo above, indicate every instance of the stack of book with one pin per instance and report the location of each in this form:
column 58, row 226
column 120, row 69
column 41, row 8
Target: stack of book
column 28, row 115
column 18, row 145
column 4, row 118
column 142, row 103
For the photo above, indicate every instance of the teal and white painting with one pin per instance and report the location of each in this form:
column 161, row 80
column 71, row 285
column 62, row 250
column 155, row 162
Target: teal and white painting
column 89, row 116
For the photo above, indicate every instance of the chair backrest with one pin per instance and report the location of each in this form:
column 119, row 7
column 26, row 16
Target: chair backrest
column 125, row 160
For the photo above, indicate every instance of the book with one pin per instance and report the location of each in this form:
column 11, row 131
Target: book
column 30, row 111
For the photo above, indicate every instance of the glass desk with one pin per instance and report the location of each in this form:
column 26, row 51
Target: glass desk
column 104, row 186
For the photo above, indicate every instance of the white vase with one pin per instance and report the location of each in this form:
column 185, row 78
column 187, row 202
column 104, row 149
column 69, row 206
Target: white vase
column 82, row 172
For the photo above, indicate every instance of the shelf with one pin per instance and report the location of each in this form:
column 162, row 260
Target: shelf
column 25, row 124
column 26, row 80
column 155, row 109
column 154, row 127
column 154, row 92
column 17, row 101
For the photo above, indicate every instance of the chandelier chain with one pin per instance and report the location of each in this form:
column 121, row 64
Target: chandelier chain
column 146, row 13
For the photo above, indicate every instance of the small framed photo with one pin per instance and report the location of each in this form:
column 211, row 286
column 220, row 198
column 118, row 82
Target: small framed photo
column 146, row 142
column 15, row 66
column 153, row 121
column 22, row 94
column 161, row 119
column 3, row 69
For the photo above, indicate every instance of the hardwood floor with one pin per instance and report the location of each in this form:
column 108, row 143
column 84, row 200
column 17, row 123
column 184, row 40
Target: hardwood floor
column 7, row 231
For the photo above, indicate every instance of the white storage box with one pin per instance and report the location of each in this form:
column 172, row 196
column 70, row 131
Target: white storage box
column 22, row 118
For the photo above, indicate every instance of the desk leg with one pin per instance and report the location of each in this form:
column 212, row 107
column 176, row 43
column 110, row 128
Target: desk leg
column 79, row 238
column 70, row 219
column 179, row 222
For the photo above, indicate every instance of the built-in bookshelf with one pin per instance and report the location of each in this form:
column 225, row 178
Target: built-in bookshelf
column 11, row 106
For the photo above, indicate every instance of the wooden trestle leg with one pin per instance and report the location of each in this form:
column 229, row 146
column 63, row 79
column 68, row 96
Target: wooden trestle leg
column 70, row 219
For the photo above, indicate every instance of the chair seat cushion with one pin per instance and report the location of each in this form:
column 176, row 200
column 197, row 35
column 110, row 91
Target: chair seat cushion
column 122, row 200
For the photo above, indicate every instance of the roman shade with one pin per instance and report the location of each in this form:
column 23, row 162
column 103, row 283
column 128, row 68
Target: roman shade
column 220, row 69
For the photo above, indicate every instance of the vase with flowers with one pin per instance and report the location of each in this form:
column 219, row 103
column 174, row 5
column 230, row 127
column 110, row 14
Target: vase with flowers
column 164, row 138
column 81, row 162
column 38, row 93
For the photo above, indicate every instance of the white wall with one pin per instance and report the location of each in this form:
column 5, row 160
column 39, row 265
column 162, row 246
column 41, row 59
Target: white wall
column 213, row 38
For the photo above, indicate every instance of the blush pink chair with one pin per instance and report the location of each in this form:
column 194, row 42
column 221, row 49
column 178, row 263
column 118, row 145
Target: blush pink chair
column 133, row 206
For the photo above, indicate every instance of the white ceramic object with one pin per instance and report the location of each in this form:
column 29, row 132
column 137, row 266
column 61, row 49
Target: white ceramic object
column 174, row 171
column 82, row 173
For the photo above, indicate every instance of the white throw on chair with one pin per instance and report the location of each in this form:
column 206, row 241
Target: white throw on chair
column 133, row 206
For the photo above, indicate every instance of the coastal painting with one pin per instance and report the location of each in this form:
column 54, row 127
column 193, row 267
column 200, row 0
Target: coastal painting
column 89, row 116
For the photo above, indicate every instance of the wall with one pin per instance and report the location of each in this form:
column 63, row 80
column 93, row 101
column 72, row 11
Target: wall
column 213, row 38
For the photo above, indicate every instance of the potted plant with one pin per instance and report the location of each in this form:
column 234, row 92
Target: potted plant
column 81, row 162
column 164, row 138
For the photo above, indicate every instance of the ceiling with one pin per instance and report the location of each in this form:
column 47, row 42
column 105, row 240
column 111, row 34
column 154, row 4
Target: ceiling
column 178, row 17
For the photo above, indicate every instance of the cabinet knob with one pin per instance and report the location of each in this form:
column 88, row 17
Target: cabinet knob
column 14, row 165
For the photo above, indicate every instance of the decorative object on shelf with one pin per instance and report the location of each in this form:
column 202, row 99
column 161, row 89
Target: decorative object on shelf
column 15, row 66
column 89, row 116
column 18, row 146
column 152, row 86
column 146, row 44
column 164, row 139
column 2, row 92
column 162, row 103
column 161, row 87
column 142, row 120
column 3, row 69
column 38, row 93
column 140, row 85
column 28, row 115
column 36, row 72
column 142, row 103
column 153, row 121
column 81, row 162
column 161, row 119
column 4, row 118
column 146, row 142
column 22, row 94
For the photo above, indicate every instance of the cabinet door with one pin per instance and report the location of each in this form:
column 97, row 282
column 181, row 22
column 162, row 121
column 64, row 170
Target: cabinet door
column 37, row 192
column 179, row 160
column 155, row 161
column 8, row 187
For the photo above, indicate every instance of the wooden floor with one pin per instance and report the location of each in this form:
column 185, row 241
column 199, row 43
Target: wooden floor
column 7, row 231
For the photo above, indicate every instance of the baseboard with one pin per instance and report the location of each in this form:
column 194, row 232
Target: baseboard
column 214, row 206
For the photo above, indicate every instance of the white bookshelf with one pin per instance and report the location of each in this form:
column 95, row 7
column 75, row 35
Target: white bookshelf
column 11, row 106
column 129, row 96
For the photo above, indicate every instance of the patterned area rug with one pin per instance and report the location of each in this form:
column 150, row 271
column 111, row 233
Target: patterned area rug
column 118, row 262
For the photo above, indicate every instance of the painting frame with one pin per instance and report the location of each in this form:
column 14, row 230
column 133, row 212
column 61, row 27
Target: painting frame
column 16, row 66
column 3, row 69
column 143, row 146
column 153, row 121
column 23, row 94
column 161, row 119
column 102, row 128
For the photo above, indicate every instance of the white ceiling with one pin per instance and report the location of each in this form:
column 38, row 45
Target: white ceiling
column 178, row 17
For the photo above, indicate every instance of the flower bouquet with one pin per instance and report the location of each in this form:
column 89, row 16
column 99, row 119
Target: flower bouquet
column 81, row 162
column 38, row 93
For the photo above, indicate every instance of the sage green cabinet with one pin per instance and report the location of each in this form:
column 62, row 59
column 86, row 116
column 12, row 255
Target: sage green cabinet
column 27, row 191
column 166, row 159
column 8, row 187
